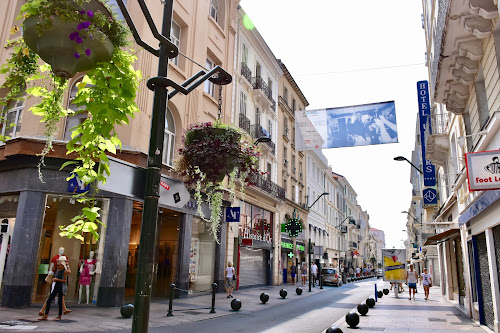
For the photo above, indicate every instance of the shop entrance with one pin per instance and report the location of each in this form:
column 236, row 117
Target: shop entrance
column 166, row 252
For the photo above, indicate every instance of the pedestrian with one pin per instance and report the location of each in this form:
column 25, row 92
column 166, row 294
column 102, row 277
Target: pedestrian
column 426, row 280
column 314, row 271
column 358, row 272
column 293, row 272
column 351, row 272
column 304, row 274
column 411, row 280
column 230, row 279
column 59, row 283
column 344, row 276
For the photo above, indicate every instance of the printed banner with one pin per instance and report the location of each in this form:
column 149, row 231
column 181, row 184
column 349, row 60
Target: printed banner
column 483, row 170
column 394, row 264
column 358, row 125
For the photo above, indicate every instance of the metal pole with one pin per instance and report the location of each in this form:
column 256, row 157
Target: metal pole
column 321, row 279
column 309, row 250
column 171, row 299
column 214, row 288
column 152, row 188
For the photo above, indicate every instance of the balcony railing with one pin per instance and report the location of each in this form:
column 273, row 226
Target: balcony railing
column 353, row 244
column 257, row 131
column 267, row 186
column 258, row 83
column 246, row 72
column 439, row 123
column 244, row 123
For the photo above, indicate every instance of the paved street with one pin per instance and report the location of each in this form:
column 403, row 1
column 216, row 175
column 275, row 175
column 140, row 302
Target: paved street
column 310, row 312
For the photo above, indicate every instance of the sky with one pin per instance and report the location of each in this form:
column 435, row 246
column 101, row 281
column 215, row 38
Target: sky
column 344, row 53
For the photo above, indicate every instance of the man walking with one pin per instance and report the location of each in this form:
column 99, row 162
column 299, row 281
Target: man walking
column 411, row 280
column 293, row 272
column 314, row 271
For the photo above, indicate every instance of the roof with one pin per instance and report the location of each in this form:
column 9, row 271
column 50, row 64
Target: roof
column 293, row 83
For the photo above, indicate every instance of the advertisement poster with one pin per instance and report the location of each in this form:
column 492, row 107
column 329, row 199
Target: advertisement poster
column 394, row 264
column 483, row 170
column 349, row 126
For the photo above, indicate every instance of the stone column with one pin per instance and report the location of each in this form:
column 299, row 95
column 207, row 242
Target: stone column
column 184, row 251
column 114, row 261
column 20, row 270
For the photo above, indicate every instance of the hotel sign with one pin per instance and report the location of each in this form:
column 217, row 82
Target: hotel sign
column 483, row 170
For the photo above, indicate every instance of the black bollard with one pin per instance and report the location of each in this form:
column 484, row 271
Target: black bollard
column 352, row 319
column 264, row 297
column 171, row 300
column 127, row 310
column 363, row 309
column 380, row 294
column 236, row 304
column 385, row 291
column 333, row 329
column 321, row 281
column 283, row 293
column 214, row 289
column 370, row 302
column 298, row 291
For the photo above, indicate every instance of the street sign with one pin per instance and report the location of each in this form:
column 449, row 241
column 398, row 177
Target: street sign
column 233, row 214
column 430, row 197
column 75, row 185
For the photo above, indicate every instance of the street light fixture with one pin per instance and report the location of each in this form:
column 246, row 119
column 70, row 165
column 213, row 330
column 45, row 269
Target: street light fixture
column 262, row 139
column 413, row 217
column 402, row 158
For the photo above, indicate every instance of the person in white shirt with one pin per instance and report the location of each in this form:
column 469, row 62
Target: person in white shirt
column 358, row 272
column 426, row 280
column 314, row 272
column 230, row 279
column 411, row 280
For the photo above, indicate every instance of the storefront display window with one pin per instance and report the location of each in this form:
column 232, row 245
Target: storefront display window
column 58, row 212
column 255, row 223
column 201, row 258
column 8, row 209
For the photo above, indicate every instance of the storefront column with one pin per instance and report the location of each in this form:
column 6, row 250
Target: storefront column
column 20, row 270
column 184, row 249
column 220, row 258
column 114, row 262
column 448, row 270
column 495, row 294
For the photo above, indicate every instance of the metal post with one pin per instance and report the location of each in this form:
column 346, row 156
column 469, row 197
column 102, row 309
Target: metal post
column 376, row 298
column 321, row 280
column 309, row 250
column 152, row 188
column 171, row 300
column 214, row 288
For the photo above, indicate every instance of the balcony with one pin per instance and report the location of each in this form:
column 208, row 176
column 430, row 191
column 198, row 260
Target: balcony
column 244, row 123
column 246, row 72
column 354, row 245
column 437, row 142
column 268, row 186
column 352, row 222
column 263, row 92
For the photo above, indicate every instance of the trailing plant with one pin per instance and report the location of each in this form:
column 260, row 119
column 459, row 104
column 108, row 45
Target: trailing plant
column 106, row 94
column 212, row 151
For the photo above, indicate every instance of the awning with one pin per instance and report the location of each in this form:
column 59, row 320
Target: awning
column 433, row 240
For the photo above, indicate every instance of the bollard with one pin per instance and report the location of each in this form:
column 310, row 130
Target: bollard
column 385, row 291
column 380, row 294
column 321, row 281
column 298, row 291
column 236, row 304
column 127, row 310
column 283, row 293
column 370, row 302
column 264, row 297
column 352, row 319
column 214, row 289
column 333, row 329
column 171, row 300
column 376, row 299
column 363, row 309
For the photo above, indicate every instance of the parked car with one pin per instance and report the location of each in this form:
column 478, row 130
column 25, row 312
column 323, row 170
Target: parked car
column 331, row 276
column 380, row 273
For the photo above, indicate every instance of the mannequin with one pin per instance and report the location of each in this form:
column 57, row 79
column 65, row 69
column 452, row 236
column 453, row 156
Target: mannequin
column 86, row 271
column 53, row 261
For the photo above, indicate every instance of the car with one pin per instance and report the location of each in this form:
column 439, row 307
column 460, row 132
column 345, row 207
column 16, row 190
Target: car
column 380, row 273
column 331, row 276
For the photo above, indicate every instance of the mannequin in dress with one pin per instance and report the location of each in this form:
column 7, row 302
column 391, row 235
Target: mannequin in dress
column 86, row 271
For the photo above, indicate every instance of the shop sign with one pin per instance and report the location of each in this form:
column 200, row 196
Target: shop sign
column 75, row 185
column 394, row 264
column 286, row 245
column 233, row 214
column 483, row 170
column 248, row 234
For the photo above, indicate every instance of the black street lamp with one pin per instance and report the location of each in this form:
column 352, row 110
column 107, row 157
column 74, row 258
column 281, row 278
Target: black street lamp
column 413, row 217
column 310, row 245
column 262, row 139
column 401, row 158
column 159, row 85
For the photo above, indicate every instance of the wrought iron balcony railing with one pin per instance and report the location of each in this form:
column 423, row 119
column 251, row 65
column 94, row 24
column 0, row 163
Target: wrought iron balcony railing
column 258, row 83
column 244, row 123
column 267, row 186
column 246, row 72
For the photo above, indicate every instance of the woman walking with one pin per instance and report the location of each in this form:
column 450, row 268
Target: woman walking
column 304, row 274
column 60, row 279
column 230, row 279
column 426, row 280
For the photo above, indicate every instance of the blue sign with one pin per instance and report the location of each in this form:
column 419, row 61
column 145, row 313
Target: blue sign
column 430, row 196
column 75, row 185
column 233, row 214
column 424, row 112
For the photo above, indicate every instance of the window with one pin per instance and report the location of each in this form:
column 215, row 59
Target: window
column 243, row 103
column 285, row 155
column 175, row 37
column 244, row 53
column 209, row 86
column 300, row 170
column 293, row 164
column 293, row 104
column 270, row 127
column 285, row 95
column 214, row 9
column 257, row 116
column 169, row 139
column 269, row 171
column 270, row 85
column 284, row 184
column 285, row 126
column 79, row 115
column 12, row 123
column 293, row 135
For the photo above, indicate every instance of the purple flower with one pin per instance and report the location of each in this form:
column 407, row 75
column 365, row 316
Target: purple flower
column 90, row 14
column 78, row 40
column 82, row 12
column 87, row 52
column 77, row 55
column 73, row 35
column 86, row 24
column 80, row 26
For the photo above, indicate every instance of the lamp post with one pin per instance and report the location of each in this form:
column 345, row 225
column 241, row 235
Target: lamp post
column 309, row 247
column 159, row 85
column 413, row 217
column 401, row 158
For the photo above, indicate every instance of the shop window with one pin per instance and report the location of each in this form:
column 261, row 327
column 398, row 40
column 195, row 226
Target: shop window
column 11, row 125
column 58, row 212
column 201, row 258
column 175, row 37
column 169, row 139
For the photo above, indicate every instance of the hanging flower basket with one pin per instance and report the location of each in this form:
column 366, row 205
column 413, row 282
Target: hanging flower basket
column 72, row 35
column 212, row 151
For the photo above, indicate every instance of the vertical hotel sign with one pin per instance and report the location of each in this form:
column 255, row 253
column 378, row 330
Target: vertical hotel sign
column 429, row 192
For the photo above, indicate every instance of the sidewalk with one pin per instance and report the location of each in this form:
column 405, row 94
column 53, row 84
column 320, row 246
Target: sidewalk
column 89, row 318
column 392, row 314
